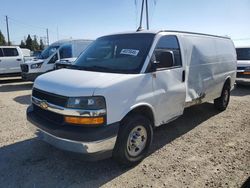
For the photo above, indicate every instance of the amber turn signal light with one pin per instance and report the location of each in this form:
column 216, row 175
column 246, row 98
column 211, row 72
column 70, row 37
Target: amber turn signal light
column 84, row 120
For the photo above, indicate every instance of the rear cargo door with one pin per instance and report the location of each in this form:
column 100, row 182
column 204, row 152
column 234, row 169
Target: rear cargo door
column 169, row 80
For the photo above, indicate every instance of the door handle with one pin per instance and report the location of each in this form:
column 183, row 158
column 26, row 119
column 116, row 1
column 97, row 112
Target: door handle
column 19, row 59
column 183, row 76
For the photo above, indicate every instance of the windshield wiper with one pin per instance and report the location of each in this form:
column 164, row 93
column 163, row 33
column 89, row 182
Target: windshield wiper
column 96, row 68
column 100, row 68
column 92, row 68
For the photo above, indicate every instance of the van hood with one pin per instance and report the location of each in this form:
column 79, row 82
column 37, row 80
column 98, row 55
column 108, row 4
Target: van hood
column 73, row 83
column 32, row 61
column 66, row 61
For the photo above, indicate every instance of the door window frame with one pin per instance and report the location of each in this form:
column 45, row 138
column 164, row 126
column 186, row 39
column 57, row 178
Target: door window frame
column 167, row 49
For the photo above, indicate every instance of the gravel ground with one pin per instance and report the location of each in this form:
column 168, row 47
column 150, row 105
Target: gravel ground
column 203, row 148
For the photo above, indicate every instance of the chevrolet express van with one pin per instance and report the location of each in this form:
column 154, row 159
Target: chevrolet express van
column 243, row 64
column 125, row 85
column 56, row 51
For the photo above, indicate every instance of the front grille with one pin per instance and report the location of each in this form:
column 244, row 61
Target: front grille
column 241, row 68
column 24, row 68
column 50, row 97
column 48, row 115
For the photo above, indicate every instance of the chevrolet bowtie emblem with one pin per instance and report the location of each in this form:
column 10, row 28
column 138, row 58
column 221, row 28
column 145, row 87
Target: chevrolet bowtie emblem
column 43, row 104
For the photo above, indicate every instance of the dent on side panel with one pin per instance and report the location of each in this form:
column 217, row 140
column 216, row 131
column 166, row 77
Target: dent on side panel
column 207, row 66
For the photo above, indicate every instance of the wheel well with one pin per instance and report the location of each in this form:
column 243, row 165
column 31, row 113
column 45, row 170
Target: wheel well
column 143, row 110
column 228, row 82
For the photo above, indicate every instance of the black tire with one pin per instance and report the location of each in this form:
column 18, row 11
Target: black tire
column 221, row 103
column 121, row 151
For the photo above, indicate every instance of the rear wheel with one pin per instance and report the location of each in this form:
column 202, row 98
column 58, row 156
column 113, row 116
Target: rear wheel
column 134, row 140
column 221, row 103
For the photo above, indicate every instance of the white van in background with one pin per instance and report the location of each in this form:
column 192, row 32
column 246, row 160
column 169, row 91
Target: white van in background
column 243, row 64
column 26, row 52
column 10, row 59
column 45, row 62
column 125, row 85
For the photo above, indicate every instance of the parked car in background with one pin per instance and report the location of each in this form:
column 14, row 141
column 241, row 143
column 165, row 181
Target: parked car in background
column 243, row 64
column 64, row 63
column 10, row 59
column 46, row 60
column 125, row 85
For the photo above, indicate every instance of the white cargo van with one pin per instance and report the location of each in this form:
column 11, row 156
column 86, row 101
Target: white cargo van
column 56, row 51
column 10, row 59
column 125, row 85
column 243, row 64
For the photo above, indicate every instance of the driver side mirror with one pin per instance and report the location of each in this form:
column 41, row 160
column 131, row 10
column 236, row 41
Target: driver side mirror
column 165, row 59
column 162, row 59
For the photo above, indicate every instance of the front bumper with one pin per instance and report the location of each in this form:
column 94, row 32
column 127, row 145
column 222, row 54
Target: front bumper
column 94, row 143
column 29, row 76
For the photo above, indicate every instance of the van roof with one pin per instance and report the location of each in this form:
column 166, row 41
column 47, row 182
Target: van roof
column 168, row 31
column 70, row 40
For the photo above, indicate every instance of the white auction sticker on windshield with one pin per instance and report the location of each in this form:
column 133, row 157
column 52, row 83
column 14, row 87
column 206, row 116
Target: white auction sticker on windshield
column 129, row 52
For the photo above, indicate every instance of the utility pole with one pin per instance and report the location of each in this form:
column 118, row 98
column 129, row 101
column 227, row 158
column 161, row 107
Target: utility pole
column 147, row 14
column 47, row 31
column 57, row 33
column 7, row 25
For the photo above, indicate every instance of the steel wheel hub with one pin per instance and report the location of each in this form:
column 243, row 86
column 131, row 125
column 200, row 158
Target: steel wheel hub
column 137, row 141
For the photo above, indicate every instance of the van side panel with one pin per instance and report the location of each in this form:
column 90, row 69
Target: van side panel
column 209, row 62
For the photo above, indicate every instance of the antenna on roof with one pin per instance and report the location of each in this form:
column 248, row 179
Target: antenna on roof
column 147, row 14
column 140, row 28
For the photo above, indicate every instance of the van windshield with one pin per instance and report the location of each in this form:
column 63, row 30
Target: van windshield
column 123, row 53
column 46, row 53
column 243, row 53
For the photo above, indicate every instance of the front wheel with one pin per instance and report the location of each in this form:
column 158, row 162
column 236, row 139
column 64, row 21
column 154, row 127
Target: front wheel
column 221, row 103
column 134, row 140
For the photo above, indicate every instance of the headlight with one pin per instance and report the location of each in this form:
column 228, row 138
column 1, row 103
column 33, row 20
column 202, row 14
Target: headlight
column 36, row 65
column 87, row 103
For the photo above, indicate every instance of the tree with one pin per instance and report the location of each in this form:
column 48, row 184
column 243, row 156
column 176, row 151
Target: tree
column 22, row 45
column 2, row 39
column 41, row 46
column 29, row 42
column 35, row 45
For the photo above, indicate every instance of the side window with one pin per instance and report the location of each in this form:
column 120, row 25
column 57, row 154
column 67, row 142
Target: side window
column 65, row 51
column 168, row 44
column 1, row 52
column 10, row 52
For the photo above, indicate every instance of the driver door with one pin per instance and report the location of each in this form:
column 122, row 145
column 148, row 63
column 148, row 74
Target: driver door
column 169, row 79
